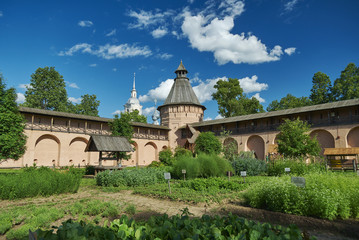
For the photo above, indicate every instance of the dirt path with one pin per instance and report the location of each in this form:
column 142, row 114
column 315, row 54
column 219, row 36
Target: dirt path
column 146, row 207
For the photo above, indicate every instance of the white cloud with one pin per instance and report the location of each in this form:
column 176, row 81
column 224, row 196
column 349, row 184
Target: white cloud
column 1, row 14
column 81, row 47
column 20, row 98
column 148, row 111
column 72, row 85
column 75, row 100
column 24, row 86
column 261, row 100
column 164, row 56
column 251, row 85
column 232, row 7
column 85, row 23
column 112, row 33
column 289, row 6
column 93, row 65
column 145, row 19
column 109, row 51
column 219, row 116
column 159, row 32
column 117, row 112
column 205, row 89
column 114, row 69
column 160, row 93
column 211, row 34
column 290, row 51
column 191, row 1
column 207, row 119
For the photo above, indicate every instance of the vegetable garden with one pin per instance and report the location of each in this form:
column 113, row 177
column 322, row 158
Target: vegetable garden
column 326, row 195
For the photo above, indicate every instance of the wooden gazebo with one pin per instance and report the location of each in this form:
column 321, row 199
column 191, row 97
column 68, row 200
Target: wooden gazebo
column 342, row 158
column 111, row 146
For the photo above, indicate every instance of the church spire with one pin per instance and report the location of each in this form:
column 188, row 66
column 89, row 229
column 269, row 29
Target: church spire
column 134, row 92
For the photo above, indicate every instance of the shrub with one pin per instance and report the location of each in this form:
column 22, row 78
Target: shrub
column 155, row 164
column 190, row 164
column 180, row 151
column 251, row 165
column 202, row 166
column 38, row 181
column 208, row 143
column 276, row 168
column 166, row 157
column 130, row 177
column 328, row 196
column 213, row 165
column 90, row 170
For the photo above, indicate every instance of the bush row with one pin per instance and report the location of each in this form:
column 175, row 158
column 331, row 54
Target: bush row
column 276, row 168
column 38, row 181
column 202, row 166
column 130, row 177
column 176, row 227
column 329, row 195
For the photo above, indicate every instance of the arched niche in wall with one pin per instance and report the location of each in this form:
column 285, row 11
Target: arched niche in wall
column 353, row 137
column 230, row 144
column 256, row 143
column 325, row 139
column 77, row 151
column 134, row 155
column 47, row 150
column 150, row 153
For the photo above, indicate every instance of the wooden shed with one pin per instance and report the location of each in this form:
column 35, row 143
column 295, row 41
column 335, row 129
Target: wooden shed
column 342, row 158
column 109, row 147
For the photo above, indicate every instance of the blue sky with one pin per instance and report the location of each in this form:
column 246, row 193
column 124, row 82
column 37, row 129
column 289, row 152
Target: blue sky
column 273, row 47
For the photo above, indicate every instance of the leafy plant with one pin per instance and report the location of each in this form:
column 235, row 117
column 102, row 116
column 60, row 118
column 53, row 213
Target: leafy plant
column 251, row 165
column 166, row 157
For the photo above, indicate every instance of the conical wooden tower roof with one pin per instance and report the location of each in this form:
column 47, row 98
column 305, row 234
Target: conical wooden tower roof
column 181, row 91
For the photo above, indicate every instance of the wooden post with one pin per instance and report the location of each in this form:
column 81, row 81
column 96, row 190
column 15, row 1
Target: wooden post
column 100, row 159
column 52, row 123
column 32, row 121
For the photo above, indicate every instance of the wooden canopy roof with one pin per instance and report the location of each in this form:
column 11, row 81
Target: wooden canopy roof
column 341, row 151
column 100, row 143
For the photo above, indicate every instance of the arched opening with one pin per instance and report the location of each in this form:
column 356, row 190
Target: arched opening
column 230, row 146
column 325, row 139
column 150, row 155
column 256, row 143
column 47, row 150
column 353, row 137
column 77, row 151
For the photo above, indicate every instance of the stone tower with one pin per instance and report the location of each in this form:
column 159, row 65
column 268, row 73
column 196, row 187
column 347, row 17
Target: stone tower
column 133, row 103
column 180, row 108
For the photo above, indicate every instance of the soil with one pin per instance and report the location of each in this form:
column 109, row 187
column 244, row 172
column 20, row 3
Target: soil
column 146, row 207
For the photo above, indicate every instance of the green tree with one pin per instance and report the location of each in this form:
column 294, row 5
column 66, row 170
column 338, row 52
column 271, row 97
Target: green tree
column 88, row 106
column 47, row 90
column 347, row 86
column 321, row 89
column 232, row 101
column 121, row 126
column 166, row 157
column 207, row 143
column 12, row 124
column 287, row 102
column 294, row 140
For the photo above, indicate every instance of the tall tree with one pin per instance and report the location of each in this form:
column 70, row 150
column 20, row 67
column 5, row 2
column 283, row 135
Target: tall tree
column 232, row 101
column 347, row 86
column 321, row 89
column 208, row 143
column 88, row 106
column 12, row 124
column 47, row 90
column 121, row 126
column 287, row 102
column 294, row 140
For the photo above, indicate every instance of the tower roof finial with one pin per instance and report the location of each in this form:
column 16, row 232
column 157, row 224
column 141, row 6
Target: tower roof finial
column 134, row 81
